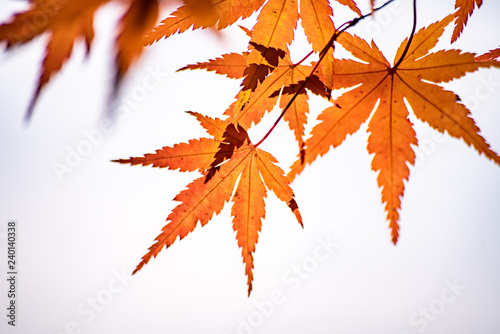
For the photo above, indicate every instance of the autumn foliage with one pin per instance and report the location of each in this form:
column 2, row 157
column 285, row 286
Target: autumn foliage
column 232, row 167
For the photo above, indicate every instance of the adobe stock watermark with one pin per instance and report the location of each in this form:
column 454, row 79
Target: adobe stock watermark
column 40, row 18
column 292, row 279
column 94, row 137
column 482, row 92
column 427, row 146
column 88, row 310
column 425, row 315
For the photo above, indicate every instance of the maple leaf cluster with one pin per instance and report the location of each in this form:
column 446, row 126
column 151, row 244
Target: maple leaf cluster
column 232, row 168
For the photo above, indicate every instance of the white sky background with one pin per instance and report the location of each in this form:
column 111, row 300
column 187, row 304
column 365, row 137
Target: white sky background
column 78, row 235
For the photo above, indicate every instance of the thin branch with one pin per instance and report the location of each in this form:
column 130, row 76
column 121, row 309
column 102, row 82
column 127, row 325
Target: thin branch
column 403, row 55
column 303, row 59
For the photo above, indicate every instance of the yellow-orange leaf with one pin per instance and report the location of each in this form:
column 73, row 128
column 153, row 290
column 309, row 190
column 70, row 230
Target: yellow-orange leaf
column 248, row 211
column 464, row 10
column 203, row 14
column 490, row 55
column 388, row 87
column 275, row 24
column 42, row 16
column 59, row 49
column 352, row 5
column 139, row 19
column 288, row 77
column 231, row 64
column 197, row 154
column 215, row 127
column 22, row 27
column 316, row 18
column 262, row 99
column 206, row 195
column 296, row 115
column 275, row 180
column 66, row 22
column 198, row 203
column 270, row 36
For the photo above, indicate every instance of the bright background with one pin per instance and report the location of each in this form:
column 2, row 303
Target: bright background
column 76, row 236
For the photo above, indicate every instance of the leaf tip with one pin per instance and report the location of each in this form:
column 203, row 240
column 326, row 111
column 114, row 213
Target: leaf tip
column 121, row 161
column 394, row 232
column 295, row 209
column 139, row 266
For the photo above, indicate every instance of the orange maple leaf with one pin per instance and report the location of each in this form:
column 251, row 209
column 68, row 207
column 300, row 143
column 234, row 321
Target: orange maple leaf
column 68, row 21
column 231, row 65
column 316, row 19
column 270, row 35
column 274, row 30
column 269, row 68
column 202, row 14
column 139, row 19
column 204, row 197
column 464, row 10
column 490, row 55
column 251, row 106
column 285, row 78
column 411, row 80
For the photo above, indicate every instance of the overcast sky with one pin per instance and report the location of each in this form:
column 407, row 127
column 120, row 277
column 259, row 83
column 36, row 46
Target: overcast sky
column 82, row 229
